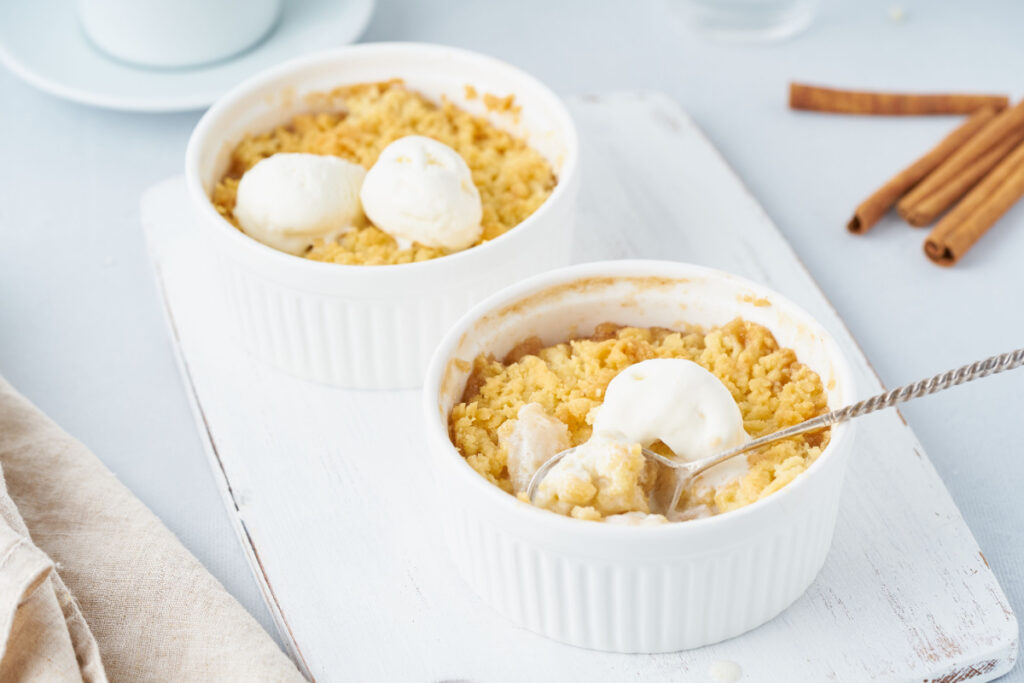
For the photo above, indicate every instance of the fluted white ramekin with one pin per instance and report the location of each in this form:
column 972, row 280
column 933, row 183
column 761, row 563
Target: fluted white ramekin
column 633, row 589
column 375, row 326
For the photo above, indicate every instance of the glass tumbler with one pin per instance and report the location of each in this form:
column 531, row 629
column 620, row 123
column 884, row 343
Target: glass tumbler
column 749, row 20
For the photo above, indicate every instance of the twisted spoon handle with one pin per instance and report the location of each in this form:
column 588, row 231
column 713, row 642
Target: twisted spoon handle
column 940, row 382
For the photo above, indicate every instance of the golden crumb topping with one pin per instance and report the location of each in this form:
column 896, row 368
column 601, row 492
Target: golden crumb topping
column 771, row 387
column 513, row 179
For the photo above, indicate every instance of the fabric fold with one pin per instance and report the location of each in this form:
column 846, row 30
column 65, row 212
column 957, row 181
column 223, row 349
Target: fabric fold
column 23, row 568
column 125, row 590
column 38, row 641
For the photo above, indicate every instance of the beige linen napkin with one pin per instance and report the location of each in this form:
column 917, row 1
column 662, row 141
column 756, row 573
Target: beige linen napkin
column 93, row 587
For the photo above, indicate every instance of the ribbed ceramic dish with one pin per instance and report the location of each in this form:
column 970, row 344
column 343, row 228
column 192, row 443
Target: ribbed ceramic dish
column 375, row 327
column 633, row 589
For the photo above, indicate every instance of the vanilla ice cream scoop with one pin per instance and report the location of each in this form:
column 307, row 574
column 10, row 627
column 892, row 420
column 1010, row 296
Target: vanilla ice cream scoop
column 287, row 200
column 421, row 190
column 675, row 401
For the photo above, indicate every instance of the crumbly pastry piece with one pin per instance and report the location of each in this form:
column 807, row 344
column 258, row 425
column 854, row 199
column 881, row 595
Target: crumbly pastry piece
column 636, row 519
column 602, row 477
column 771, row 387
column 513, row 179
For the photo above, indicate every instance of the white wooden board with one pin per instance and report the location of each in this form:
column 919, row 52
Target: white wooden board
column 331, row 492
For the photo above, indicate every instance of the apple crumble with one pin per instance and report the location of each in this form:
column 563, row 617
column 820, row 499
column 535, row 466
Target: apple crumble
column 512, row 178
column 560, row 387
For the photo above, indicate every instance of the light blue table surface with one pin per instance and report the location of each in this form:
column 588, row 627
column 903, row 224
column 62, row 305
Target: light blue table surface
column 81, row 332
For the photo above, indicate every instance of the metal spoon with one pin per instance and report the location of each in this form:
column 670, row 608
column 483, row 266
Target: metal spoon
column 685, row 472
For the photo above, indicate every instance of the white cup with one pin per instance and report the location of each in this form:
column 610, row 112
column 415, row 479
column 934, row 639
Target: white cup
column 176, row 33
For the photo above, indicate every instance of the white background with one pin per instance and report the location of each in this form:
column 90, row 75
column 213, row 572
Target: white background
column 81, row 332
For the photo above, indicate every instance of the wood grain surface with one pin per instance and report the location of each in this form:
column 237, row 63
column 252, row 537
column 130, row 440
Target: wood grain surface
column 332, row 495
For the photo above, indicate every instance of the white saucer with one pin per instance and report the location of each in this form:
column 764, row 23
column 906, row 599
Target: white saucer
column 42, row 42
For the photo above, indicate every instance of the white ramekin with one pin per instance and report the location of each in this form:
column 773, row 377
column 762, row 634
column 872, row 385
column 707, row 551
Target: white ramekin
column 374, row 327
column 633, row 589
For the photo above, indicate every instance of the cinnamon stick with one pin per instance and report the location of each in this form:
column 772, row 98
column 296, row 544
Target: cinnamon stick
column 929, row 208
column 875, row 206
column 957, row 232
column 995, row 132
column 815, row 98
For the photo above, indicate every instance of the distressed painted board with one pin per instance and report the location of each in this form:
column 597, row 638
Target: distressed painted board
column 331, row 497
